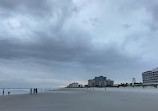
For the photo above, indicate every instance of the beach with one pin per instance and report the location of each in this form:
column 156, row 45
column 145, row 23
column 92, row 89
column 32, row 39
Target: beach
column 81, row 100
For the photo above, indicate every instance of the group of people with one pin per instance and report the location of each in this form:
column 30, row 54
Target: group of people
column 4, row 92
column 33, row 91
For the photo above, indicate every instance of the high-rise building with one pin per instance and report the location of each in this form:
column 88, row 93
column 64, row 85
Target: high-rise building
column 110, row 82
column 100, row 82
column 150, row 77
column 91, row 82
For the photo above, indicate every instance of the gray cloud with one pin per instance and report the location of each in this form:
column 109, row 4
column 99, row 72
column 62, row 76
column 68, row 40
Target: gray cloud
column 50, row 49
column 50, row 40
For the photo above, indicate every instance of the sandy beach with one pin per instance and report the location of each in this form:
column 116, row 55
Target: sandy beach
column 81, row 100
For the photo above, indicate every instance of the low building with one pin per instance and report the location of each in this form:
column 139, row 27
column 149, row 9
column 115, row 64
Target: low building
column 138, row 84
column 75, row 85
column 150, row 77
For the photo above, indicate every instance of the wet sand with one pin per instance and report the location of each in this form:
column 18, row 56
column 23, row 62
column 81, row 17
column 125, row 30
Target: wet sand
column 81, row 100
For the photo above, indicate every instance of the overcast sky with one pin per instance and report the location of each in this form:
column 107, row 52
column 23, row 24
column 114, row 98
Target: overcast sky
column 51, row 43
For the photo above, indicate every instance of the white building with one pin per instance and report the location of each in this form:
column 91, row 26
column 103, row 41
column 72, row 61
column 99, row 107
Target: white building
column 150, row 77
column 110, row 82
column 133, row 81
column 100, row 82
column 75, row 85
column 91, row 82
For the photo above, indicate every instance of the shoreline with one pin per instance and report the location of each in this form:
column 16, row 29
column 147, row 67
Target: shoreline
column 149, row 90
column 80, row 99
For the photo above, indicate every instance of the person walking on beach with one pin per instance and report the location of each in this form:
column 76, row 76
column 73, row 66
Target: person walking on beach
column 8, row 92
column 36, row 91
column 3, row 91
column 30, row 91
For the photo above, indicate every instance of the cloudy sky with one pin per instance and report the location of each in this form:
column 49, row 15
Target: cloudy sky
column 51, row 43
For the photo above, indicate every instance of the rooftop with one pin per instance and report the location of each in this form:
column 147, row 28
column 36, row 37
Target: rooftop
column 154, row 70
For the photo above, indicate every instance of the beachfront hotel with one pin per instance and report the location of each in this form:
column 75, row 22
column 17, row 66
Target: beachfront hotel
column 150, row 77
column 100, row 82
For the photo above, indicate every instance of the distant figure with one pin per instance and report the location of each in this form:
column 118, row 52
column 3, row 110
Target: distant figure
column 3, row 91
column 8, row 92
column 36, row 91
column 30, row 91
column 105, row 88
